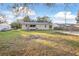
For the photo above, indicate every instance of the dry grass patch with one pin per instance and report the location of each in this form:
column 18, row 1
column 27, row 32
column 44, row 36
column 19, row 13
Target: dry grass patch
column 38, row 43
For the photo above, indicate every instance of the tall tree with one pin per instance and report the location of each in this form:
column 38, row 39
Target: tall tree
column 43, row 19
column 24, row 7
column 77, row 17
column 26, row 19
column 15, row 25
column 3, row 18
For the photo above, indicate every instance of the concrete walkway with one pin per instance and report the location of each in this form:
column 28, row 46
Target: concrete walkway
column 69, row 32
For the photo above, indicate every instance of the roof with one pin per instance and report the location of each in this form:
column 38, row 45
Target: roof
column 35, row 23
column 4, row 24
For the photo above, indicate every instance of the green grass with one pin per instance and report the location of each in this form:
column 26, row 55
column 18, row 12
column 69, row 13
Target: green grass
column 19, row 42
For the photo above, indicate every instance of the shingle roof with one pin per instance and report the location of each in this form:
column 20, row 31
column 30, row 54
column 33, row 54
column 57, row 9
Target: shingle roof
column 35, row 23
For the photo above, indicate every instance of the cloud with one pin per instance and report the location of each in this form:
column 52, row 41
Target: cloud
column 60, row 17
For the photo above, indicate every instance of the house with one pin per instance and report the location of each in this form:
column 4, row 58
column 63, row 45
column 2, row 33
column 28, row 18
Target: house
column 36, row 25
column 63, row 26
column 4, row 27
column 75, row 27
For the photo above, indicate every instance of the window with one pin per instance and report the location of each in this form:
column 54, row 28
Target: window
column 32, row 25
column 26, row 25
column 45, row 26
column 50, row 26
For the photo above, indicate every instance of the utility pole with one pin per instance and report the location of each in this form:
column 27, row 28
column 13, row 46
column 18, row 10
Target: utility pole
column 66, row 9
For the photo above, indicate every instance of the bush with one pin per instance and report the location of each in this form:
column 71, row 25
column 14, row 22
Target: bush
column 15, row 25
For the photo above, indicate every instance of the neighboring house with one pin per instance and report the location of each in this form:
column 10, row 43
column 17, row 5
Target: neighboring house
column 4, row 27
column 75, row 27
column 64, row 27
column 36, row 25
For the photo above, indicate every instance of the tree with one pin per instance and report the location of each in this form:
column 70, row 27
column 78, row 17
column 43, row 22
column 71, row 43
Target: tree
column 17, row 9
column 3, row 18
column 43, row 19
column 26, row 19
column 46, row 19
column 23, row 8
column 39, row 19
column 16, row 25
column 77, row 17
column 20, row 10
column 50, row 4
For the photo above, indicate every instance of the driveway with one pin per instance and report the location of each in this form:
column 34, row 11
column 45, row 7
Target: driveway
column 69, row 32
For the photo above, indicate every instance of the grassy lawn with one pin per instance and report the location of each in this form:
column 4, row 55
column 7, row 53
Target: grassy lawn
column 18, row 42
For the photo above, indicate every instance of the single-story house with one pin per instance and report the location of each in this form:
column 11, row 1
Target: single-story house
column 64, row 26
column 37, row 25
column 75, row 27
column 4, row 27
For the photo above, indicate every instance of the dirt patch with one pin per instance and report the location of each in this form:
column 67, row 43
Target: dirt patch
column 31, row 37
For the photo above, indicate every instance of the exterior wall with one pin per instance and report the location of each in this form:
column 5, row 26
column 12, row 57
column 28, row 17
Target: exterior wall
column 38, row 27
column 42, row 27
column 24, row 27
column 75, row 27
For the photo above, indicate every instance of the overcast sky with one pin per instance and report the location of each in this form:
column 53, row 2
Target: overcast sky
column 56, row 12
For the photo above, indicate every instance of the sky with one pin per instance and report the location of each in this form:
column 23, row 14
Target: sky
column 40, row 1
column 55, row 12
